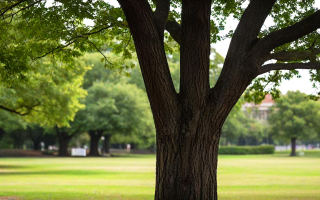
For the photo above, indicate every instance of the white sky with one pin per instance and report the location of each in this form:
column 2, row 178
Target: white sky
column 303, row 84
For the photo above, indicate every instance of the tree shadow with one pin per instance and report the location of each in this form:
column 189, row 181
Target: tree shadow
column 12, row 167
column 55, row 172
column 79, row 195
column 121, row 175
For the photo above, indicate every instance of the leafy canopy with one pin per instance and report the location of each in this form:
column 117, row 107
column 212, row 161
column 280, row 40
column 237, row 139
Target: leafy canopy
column 295, row 116
column 33, row 29
column 50, row 96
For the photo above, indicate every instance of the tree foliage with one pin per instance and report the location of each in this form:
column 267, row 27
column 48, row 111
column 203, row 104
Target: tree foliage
column 295, row 116
column 189, row 120
column 51, row 94
column 117, row 108
column 242, row 129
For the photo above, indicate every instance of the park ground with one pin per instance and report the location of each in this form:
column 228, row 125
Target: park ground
column 245, row 177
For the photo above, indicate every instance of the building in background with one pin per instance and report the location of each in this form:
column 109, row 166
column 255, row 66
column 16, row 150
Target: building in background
column 259, row 111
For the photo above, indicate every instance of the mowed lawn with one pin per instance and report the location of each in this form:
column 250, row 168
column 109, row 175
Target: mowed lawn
column 239, row 177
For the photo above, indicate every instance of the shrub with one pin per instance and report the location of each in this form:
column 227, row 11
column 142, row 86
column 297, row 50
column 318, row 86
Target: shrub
column 236, row 150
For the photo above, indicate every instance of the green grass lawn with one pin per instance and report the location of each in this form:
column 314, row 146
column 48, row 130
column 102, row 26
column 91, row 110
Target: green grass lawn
column 248, row 177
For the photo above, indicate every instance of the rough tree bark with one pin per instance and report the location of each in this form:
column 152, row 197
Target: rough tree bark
column 95, row 136
column 293, row 147
column 188, row 123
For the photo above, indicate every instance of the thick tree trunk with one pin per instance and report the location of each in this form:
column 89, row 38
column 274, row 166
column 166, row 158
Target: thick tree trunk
column 293, row 147
column 36, row 145
column 187, row 167
column 63, row 139
column 106, row 145
column 49, row 140
column 36, row 134
column 188, row 123
column 2, row 132
column 63, row 146
column 94, row 143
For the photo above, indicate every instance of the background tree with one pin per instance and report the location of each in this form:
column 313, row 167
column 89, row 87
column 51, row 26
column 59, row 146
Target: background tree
column 189, row 121
column 295, row 117
column 50, row 95
column 36, row 134
column 11, row 125
column 241, row 129
column 64, row 134
column 234, row 125
column 253, row 134
column 111, row 109
column 106, row 76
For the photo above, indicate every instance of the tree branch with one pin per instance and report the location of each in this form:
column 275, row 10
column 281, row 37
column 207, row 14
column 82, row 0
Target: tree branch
column 289, row 66
column 13, row 14
column 296, row 55
column 72, row 40
column 13, row 111
column 250, row 24
column 161, row 14
column 174, row 28
column 105, row 57
column 290, row 33
column 11, row 7
column 152, row 58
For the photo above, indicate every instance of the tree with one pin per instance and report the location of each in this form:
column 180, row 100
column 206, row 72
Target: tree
column 100, row 75
column 35, row 133
column 111, row 109
column 11, row 125
column 50, row 96
column 64, row 135
column 242, row 129
column 189, row 121
column 295, row 117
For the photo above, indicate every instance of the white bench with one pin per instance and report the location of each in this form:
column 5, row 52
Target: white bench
column 78, row 152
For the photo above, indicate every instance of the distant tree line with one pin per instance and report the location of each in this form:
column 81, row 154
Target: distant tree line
column 84, row 101
column 98, row 102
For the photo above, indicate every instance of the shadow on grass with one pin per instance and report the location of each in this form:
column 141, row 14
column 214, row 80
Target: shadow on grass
column 58, row 172
column 128, row 155
column 12, row 167
column 78, row 196
column 79, row 173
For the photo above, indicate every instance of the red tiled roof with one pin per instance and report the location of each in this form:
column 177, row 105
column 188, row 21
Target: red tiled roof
column 268, row 99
